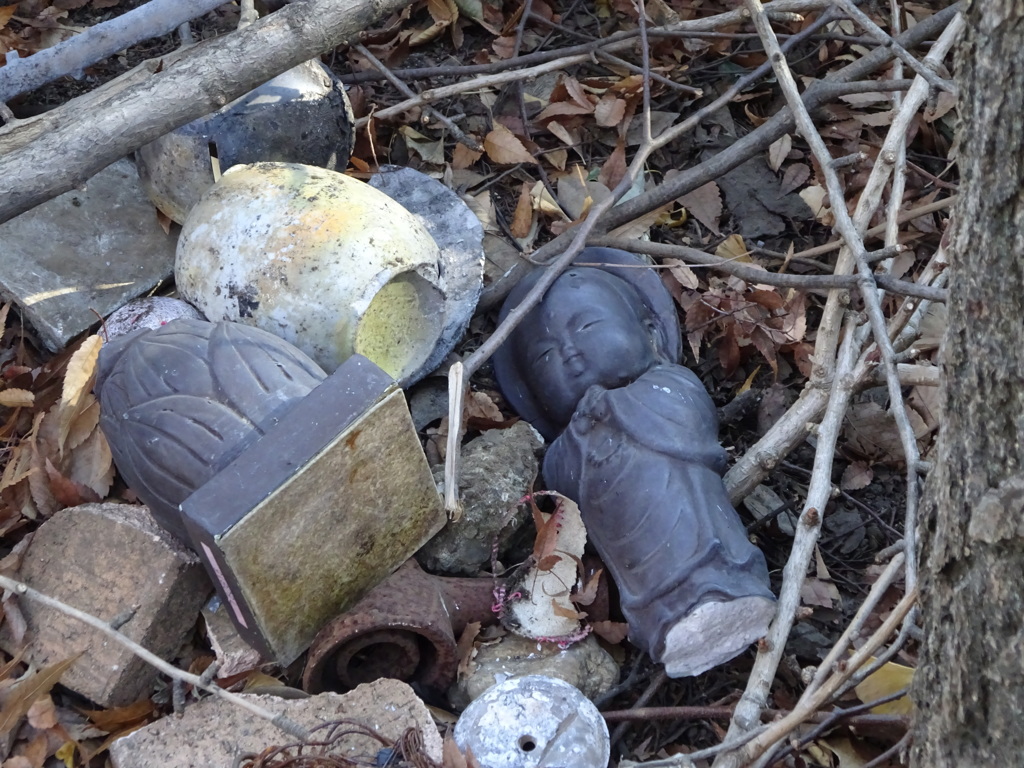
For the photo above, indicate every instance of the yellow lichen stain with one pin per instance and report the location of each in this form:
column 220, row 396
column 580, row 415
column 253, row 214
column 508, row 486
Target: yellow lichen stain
column 401, row 325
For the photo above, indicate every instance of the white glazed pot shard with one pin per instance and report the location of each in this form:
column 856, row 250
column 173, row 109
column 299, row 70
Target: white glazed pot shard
column 320, row 259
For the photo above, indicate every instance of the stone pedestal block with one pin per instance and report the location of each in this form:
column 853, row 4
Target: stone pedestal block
column 317, row 511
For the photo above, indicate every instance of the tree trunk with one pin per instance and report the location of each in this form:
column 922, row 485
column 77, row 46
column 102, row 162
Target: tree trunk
column 969, row 688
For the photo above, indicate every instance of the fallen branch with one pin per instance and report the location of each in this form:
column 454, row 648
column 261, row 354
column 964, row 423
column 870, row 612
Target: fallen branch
column 757, row 140
column 61, row 149
column 283, row 722
column 155, row 18
column 752, row 274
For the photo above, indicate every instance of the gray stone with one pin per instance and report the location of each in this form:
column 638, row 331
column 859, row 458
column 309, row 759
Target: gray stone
column 85, row 252
column 212, row 732
column 584, row 665
column 111, row 561
column 498, row 468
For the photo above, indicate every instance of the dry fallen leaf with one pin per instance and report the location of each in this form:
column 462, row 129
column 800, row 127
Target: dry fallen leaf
column 16, row 701
column 463, row 156
column 779, row 151
column 6, row 12
column 733, row 248
column 857, row 475
column 613, row 632
column 42, row 715
column 883, row 682
column 686, row 276
column 522, row 219
column 78, row 380
column 704, row 204
column 504, row 148
column 119, row 718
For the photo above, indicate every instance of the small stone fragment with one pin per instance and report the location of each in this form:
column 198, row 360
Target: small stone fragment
column 498, row 469
column 234, row 655
column 213, row 732
column 111, row 561
column 150, row 312
column 584, row 665
column 85, row 252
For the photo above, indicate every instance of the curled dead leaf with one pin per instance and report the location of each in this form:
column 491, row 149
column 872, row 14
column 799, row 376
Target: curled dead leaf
column 78, row 381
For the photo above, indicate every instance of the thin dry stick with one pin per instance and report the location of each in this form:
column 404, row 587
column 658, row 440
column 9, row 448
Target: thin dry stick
column 475, row 84
column 853, row 235
column 754, row 699
column 754, row 274
column 791, row 429
column 878, row 589
column 902, row 54
column 782, row 728
column 757, row 140
column 283, row 722
column 455, row 131
column 763, row 674
column 881, row 229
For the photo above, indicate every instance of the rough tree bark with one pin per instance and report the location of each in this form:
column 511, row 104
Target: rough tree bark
column 969, row 688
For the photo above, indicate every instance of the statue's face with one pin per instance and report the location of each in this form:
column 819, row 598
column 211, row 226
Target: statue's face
column 589, row 329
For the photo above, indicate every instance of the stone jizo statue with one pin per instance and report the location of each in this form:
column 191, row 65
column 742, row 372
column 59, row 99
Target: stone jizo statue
column 595, row 366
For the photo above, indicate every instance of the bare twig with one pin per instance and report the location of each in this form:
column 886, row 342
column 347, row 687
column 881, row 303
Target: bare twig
column 902, row 218
column 453, row 129
column 754, row 698
column 755, row 274
column 757, row 140
column 902, row 54
column 286, row 724
column 853, row 251
column 155, row 18
column 782, row 728
column 586, row 52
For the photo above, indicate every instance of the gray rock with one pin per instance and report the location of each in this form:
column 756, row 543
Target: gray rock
column 498, row 468
column 212, row 732
column 84, row 253
column 585, row 665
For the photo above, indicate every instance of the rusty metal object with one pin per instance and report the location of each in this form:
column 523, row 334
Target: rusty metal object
column 406, row 628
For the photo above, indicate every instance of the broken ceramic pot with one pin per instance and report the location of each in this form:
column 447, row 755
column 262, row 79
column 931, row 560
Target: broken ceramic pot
column 301, row 116
column 331, row 265
column 271, row 470
column 638, row 449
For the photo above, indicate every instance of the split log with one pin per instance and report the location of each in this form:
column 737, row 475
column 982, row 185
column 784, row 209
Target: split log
column 59, row 150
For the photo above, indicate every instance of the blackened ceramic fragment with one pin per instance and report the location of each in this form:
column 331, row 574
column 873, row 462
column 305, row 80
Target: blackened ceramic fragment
column 179, row 402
